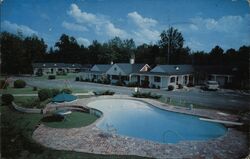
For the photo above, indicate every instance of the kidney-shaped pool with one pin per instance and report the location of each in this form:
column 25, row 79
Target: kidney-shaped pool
column 141, row 120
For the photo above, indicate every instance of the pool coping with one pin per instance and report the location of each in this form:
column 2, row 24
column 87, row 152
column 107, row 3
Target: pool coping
column 91, row 139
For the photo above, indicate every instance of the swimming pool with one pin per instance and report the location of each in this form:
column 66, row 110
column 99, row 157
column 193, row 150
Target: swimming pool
column 138, row 119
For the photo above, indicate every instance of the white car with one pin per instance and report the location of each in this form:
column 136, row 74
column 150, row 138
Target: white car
column 212, row 85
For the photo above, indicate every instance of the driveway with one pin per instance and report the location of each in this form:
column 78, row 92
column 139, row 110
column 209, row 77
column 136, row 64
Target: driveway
column 230, row 100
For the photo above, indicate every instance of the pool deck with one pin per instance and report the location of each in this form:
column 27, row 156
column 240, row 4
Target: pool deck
column 90, row 139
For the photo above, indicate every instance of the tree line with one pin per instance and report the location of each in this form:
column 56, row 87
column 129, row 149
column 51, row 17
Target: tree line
column 19, row 52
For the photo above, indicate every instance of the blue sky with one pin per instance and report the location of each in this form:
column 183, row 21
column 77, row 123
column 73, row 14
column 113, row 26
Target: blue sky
column 203, row 23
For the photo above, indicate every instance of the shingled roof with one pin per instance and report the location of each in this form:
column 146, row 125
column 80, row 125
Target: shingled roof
column 173, row 69
column 130, row 68
column 101, row 68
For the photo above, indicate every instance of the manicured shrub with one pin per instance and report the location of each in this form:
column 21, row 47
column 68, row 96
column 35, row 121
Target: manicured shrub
column 190, row 84
column 3, row 84
column 119, row 83
column 39, row 73
column 66, row 90
column 19, row 84
column 170, row 87
column 99, row 81
column 146, row 95
column 106, row 81
column 54, row 92
column 77, row 79
column 34, row 88
column 132, row 84
column 104, row 93
column 50, row 77
column 7, row 98
column 44, row 94
column 180, row 86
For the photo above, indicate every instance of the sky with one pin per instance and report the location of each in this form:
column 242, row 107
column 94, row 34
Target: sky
column 203, row 23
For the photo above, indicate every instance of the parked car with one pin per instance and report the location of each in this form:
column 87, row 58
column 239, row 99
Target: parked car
column 212, row 85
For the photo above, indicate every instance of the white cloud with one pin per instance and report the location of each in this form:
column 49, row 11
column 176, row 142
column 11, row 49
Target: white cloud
column 74, row 27
column 99, row 23
column 141, row 21
column 83, row 41
column 144, row 31
column 82, row 17
column 13, row 27
column 112, row 31
column 227, row 32
column 223, row 24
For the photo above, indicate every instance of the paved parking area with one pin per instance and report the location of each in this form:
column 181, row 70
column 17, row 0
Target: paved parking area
column 222, row 99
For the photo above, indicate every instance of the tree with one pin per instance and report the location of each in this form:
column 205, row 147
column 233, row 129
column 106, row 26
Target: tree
column 216, row 55
column 171, row 41
column 68, row 49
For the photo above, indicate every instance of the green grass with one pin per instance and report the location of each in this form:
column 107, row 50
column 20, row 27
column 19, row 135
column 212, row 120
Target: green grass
column 11, row 90
column 73, row 120
column 30, row 102
column 182, row 103
column 68, row 76
column 17, row 142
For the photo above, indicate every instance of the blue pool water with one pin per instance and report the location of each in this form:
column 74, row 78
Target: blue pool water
column 140, row 120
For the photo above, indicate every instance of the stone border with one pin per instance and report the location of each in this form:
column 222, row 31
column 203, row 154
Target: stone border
column 26, row 110
column 90, row 139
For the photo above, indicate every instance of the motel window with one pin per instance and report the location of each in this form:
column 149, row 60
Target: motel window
column 115, row 77
column 172, row 79
column 115, row 68
column 157, row 79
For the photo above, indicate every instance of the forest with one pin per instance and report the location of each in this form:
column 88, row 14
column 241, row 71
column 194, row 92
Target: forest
column 18, row 52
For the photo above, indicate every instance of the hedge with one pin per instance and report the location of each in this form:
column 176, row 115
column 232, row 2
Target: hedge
column 19, row 84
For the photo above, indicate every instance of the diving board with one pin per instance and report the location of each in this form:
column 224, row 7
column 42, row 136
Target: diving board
column 221, row 121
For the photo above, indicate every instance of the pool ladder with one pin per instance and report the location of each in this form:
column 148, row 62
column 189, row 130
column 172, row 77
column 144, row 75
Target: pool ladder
column 167, row 132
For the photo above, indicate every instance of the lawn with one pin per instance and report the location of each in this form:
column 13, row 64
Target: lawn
column 26, row 90
column 68, row 76
column 17, row 142
column 182, row 103
column 74, row 120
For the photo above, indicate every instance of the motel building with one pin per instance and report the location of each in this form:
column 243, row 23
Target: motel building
column 160, row 76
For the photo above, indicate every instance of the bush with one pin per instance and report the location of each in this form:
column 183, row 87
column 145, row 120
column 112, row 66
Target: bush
column 119, row 83
column 39, row 73
column 7, row 98
column 19, row 84
column 104, row 93
column 66, row 90
column 50, row 77
column 44, row 94
column 34, row 88
column 146, row 95
column 77, row 79
column 61, row 73
column 54, row 92
column 180, row 86
column 3, row 84
column 132, row 84
column 106, row 81
column 170, row 87
column 190, row 84
column 99, row 81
